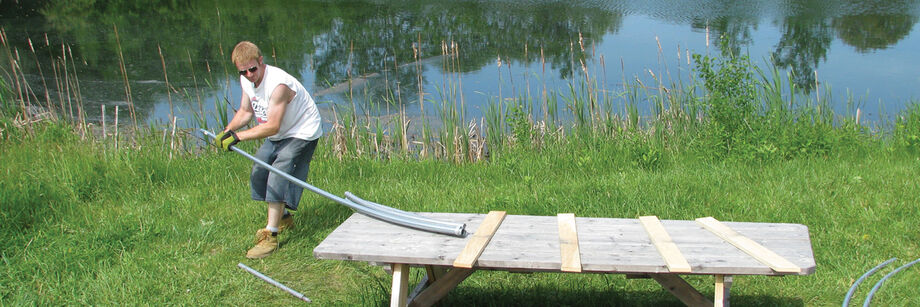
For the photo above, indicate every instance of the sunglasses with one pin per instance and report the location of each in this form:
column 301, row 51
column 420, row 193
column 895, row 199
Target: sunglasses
column 251, row 69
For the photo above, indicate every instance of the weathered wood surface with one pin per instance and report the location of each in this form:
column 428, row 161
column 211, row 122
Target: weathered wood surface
column 759, row 252
column 568, row 239
column 480, row 239
column 531, row 243
column 662, row 241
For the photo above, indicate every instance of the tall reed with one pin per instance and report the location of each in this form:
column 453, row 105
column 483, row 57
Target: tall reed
column 124, row 74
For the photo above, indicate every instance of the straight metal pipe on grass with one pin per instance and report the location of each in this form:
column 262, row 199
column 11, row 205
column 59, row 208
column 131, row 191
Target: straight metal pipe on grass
column 420, row 222
column 274, row 283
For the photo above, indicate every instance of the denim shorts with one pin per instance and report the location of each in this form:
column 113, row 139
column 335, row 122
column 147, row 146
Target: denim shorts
column 290, row 155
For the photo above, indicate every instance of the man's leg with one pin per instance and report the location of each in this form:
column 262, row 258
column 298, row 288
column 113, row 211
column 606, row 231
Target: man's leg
column 275, row 211
column 266, row 238
column 284, row 156
column 266, row 241
column 259, row 183
column 301, row 170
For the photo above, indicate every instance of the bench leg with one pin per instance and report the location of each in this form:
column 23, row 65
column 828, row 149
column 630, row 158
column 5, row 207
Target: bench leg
column 681, row 289
column 723, row 286
column 432, row 274
column 435, row 272
column 400, row 285
column 439, row 288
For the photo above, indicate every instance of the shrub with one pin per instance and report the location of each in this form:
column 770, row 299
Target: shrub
column 730, row 99
column 907, row 128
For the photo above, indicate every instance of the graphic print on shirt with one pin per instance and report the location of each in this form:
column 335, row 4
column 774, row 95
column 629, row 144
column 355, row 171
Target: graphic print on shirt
column 260, row 110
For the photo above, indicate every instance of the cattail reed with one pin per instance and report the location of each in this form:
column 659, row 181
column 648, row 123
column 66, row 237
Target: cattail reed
column 41, row 73
column 197, row 91
column 116, row 127
column 166, row 77
column 172, row 139
column 124, row 73
column 28, row 101
column 103, row 122
column 13, row 66
column 66, row 82
column 78, row 93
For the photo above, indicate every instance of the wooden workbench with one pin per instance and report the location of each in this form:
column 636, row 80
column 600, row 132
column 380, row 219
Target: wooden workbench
column 604, row 245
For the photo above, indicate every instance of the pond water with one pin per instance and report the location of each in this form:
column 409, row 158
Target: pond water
column 855, row 54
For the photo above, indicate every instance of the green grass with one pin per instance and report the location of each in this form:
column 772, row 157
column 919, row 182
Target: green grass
column 131, row 227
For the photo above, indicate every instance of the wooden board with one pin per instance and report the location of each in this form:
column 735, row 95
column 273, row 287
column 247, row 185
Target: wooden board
column 531, row 243
column 568, row 243
column 480, row 239
column 662, row 241
column 759, row 252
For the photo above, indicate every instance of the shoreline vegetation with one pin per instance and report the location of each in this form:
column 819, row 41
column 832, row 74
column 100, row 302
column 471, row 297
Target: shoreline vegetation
column 725, row 107
column 129, row 213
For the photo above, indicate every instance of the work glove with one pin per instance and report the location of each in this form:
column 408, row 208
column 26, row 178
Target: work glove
column 226, row 139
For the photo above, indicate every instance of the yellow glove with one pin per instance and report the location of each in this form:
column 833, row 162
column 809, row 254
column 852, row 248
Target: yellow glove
column 226, row 139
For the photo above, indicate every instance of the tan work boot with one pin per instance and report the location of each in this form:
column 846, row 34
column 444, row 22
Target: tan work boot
column 265, row 245
column 286, row 222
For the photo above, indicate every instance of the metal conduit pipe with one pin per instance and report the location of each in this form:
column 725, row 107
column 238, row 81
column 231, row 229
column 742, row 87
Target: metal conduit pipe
column 274, row 283
column 881, row 281
column 846, row 300
column 354, row 198
column 408, row 215
column 426, row 225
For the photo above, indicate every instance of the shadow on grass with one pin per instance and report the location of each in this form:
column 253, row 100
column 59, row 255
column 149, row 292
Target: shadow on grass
column 314, row 221
column 548, row 296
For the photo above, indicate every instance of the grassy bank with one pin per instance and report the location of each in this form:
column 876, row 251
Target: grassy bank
column 83, row 223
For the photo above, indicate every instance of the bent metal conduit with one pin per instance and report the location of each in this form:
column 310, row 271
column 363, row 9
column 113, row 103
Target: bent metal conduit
column 846, row 300
column 882, row 281
column 408, row 215
column 377, row 211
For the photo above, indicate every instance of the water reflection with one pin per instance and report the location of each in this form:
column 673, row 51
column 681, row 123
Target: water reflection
column 804, row 43
column 331, row 42
column 870, row 32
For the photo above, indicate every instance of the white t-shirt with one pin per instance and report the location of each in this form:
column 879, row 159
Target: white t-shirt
column 301, row 117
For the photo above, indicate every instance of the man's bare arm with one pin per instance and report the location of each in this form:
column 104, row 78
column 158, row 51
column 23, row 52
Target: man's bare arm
column 242, row 116
column 280, row 98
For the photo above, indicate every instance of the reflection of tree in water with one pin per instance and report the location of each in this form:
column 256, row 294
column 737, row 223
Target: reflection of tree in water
column 804, row 43
column 732, row 33
column 870, row 32
column 346, row 40
column 807, row 33
column 729, row 22
column 381, row 40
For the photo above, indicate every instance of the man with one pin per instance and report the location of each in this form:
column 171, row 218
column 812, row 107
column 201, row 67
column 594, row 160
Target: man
column 289, row 121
